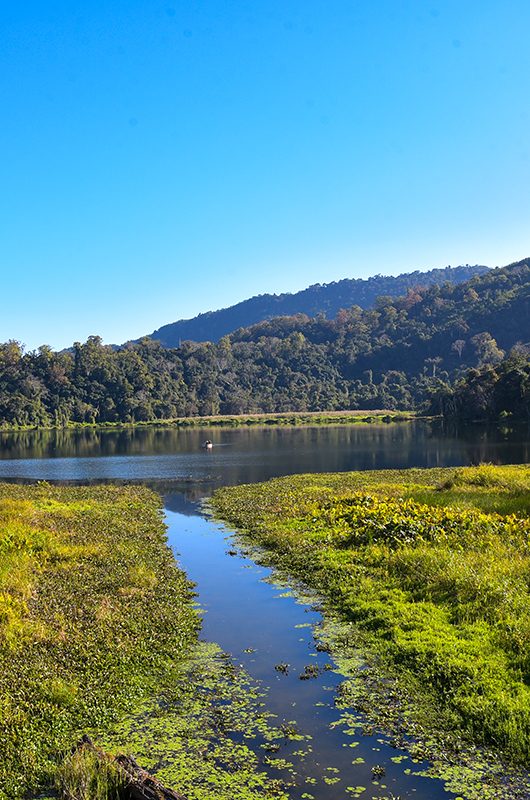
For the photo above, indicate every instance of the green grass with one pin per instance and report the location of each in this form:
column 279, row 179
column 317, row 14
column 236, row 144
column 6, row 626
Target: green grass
column 86, row 774
column 432, row 567
column 354, row 417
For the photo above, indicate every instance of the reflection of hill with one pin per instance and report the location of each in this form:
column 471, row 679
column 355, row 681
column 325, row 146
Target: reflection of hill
column 85, row 442
column 497, row 444
column 186, row 503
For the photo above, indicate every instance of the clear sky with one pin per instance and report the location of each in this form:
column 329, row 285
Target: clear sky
column 163, row 158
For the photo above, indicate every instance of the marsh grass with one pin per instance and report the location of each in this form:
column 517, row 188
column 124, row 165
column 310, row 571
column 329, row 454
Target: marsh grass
column 88, row 775
column 94, row 613
column 432, row 566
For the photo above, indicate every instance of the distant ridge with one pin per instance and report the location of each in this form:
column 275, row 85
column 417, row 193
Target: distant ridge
column 326, row 299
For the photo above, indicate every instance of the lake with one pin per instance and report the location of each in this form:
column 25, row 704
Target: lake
column 251, row 454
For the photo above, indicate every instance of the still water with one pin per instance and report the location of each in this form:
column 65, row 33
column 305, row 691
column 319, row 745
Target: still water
column 245, row 610
column 249, row 613
column 251, row 454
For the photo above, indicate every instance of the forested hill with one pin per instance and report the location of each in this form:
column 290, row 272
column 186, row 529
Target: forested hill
column 326, row 299
column 403, row 354
column 435, row 323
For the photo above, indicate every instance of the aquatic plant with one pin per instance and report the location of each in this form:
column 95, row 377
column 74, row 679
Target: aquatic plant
column 431, row 566
column 310, row 671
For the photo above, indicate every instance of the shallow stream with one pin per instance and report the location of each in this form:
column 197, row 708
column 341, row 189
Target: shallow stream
column 261, row 624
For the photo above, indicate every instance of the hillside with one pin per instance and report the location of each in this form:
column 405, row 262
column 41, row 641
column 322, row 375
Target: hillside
column 435, row 323
column 326, row 299
column 395, row 356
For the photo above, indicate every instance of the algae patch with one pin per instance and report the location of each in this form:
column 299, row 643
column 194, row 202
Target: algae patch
column 204, row 732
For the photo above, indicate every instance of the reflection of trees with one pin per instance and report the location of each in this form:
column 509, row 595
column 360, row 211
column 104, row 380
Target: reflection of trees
column 242, row 455
column 482, row 442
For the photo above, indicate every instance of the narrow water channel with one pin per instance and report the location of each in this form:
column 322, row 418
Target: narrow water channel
column 261, row 624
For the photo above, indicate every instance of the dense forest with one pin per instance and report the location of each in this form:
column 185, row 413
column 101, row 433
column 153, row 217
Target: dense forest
column 491, row 391
column 326, row 299
column 409, row 352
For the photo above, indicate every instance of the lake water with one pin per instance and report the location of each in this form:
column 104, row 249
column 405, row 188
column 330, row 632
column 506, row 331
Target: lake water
column 245, row 610
column 251, row 454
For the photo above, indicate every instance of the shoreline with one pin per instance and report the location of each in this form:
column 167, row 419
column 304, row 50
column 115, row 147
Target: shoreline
column 293, row 418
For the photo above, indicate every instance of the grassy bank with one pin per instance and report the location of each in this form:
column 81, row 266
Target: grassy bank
column 245, row 420
column 432, row 567
column 98, row 634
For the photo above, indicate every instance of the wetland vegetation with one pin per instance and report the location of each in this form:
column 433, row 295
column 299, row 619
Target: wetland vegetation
column 98, row 634
column 430, row 567
column 424, row 578
column 93, row 613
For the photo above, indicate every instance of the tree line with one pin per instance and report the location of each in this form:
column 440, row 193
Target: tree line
column 489, row 392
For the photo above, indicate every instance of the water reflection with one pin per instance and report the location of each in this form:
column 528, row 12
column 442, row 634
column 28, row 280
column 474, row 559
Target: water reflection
column 252, row 454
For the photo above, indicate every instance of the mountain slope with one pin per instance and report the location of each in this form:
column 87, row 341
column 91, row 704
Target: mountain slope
column 325, row 299
column 403, row 334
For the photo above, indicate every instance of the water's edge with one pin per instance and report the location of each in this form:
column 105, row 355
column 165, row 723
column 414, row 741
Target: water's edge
column 275, row 634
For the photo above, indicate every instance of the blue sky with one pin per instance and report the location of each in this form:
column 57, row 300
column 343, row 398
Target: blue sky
column 165, row 158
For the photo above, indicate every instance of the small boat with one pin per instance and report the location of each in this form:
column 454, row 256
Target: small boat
column 207, row 445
